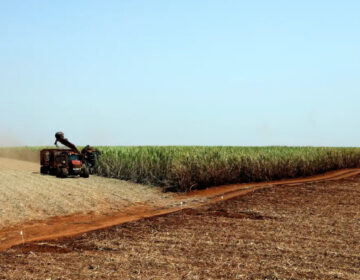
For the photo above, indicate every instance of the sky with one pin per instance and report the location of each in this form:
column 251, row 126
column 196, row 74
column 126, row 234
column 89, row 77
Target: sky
column 202, row 72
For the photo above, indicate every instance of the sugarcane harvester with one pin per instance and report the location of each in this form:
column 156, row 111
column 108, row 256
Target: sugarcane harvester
column 64, row 162
column 89, row 154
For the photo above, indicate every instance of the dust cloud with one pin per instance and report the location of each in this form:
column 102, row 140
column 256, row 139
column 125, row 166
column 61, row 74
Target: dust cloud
column 20, row 153
column 12, row 147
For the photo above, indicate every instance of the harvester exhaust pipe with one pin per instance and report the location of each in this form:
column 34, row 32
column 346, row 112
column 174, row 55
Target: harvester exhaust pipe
column 61, row 138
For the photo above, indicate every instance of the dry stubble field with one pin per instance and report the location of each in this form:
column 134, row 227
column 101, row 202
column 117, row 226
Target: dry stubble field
column 309, row 231
column 25, row 194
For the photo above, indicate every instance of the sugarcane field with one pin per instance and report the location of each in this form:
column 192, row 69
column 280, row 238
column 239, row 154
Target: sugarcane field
column 179, row 140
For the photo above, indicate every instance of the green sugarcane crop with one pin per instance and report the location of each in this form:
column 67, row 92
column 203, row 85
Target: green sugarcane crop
column 183, row 168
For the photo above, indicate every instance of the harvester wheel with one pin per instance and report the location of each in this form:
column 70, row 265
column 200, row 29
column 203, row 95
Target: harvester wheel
column 59, row 172
column 85, row 172
column 65, row 172
column 43, row 170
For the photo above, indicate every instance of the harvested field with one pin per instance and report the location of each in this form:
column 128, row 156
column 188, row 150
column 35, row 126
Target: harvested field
column 25, row 194
column 308, row 231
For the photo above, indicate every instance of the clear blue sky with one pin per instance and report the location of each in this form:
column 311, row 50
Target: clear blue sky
column 180, row 72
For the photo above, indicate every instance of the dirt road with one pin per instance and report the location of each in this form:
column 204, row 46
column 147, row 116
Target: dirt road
column 45, row 207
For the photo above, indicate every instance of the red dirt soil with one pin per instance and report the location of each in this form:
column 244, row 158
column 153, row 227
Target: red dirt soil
column 71, row 225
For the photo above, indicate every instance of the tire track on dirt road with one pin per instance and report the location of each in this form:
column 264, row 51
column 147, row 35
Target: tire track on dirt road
column 71, row 225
